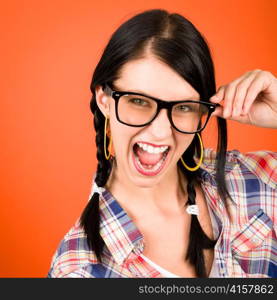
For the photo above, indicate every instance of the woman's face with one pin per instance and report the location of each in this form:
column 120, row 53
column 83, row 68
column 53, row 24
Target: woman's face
column 154, row 78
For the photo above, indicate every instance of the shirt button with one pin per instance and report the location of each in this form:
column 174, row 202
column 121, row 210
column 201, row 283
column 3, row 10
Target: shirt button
column 255, row 240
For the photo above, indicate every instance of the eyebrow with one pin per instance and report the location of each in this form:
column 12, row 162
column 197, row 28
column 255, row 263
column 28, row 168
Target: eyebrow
column 151, row 96
column 131, row 91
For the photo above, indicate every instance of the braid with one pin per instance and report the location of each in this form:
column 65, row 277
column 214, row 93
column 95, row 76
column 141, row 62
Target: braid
column 90, row 218
column 198, row 240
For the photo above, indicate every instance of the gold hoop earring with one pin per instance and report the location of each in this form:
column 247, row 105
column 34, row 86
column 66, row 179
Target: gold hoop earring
column 200, row 160
column 105, row 140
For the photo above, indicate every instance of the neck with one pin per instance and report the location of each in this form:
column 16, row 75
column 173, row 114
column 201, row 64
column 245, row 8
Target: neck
column 167, row 196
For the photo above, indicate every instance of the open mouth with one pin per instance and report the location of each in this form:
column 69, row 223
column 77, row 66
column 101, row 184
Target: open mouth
column 149, row 161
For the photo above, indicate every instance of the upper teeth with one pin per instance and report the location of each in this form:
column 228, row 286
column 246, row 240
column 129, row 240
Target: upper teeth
column 152, row 149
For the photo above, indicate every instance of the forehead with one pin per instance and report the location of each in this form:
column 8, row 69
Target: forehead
column 153, row 77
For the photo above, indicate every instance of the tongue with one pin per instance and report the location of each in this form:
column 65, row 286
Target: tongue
column 147, row 158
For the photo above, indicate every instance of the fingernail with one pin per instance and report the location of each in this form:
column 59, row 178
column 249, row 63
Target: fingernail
column 214, row 98
column 225, row 113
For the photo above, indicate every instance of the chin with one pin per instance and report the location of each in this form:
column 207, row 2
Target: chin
column 147, row 181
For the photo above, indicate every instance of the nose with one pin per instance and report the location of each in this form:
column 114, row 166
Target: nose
column 160, row 127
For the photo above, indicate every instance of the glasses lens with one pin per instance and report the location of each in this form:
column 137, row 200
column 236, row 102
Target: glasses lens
column 140, row 110
column 187, row 116
column 136, row 109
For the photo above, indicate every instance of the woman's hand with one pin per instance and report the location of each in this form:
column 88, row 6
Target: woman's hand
column 249, row 99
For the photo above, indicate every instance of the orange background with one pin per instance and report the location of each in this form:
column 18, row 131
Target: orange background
column 48, row 53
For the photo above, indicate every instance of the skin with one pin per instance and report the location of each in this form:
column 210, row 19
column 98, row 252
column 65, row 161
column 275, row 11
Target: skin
column 156, row 209
column 152, row 77
column 249, row 99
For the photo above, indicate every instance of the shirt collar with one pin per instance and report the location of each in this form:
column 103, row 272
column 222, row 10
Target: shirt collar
column 118, row 231
column 208, row 170
column 209, row 162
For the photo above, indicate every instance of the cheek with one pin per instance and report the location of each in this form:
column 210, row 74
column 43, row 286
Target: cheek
column 183, row 141
column 122, row 136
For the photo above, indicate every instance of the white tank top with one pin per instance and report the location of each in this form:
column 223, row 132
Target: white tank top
column 168, row 274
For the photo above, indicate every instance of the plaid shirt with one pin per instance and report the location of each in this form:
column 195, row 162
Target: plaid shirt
column 247, row 241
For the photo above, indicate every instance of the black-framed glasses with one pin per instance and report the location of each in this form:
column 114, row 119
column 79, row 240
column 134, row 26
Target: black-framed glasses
column 138, row 110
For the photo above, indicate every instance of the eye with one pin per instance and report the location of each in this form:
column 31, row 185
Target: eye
column 183, row 108
column 138, row 101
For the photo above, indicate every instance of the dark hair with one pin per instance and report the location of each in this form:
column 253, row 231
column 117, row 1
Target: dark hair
column 175, row 41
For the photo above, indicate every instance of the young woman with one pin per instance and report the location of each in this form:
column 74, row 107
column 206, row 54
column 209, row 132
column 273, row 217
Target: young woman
column 161, row 205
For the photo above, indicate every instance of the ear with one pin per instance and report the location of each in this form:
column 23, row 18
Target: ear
column 102, row 100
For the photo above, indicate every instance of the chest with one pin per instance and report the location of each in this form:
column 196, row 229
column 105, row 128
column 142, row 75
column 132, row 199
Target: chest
column 166, row 240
